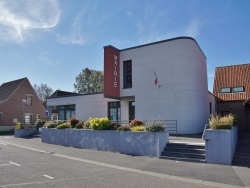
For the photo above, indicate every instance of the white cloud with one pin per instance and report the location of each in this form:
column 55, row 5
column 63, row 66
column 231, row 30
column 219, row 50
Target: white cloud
column 193, row 29
column 20, row 19
column 44, row 59
column 76, row 35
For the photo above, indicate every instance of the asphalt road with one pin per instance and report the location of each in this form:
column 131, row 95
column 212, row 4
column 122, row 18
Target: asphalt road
column 30, row 163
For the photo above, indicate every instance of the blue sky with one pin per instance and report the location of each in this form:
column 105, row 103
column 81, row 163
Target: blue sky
column 51, row 41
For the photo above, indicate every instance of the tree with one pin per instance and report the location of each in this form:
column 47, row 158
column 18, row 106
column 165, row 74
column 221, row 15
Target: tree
column 89, row 81
column 43, row 91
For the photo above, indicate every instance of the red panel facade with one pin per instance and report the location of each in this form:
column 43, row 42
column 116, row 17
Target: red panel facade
column 111, row 72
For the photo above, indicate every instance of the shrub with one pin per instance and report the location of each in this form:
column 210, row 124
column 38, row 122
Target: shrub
column 138, row 128
column 80, row 125
column 100, row 124
column 155, row 126
column 136, row 122
column 87, row 123
column 221, row 122
column 124, row 128
column 52, row 124
column 39, row 123
column 63, row 126
column 73, row 122
column 236, row 118
column 114, row 125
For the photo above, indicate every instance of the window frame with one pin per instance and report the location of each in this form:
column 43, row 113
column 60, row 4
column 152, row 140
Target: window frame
column 127, row 73
column 221, row 90
column 243, row 89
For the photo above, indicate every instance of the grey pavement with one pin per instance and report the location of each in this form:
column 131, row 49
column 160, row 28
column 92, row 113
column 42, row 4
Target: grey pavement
column 177, row 173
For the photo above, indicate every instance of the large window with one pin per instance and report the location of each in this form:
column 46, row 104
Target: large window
column 28, row 119
column 127, row 74
column 114, row 111
column 238, row 89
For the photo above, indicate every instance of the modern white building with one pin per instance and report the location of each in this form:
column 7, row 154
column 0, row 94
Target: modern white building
column 165, row 80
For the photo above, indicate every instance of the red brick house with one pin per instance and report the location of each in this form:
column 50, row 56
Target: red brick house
column 232, row 92
column 19, row 101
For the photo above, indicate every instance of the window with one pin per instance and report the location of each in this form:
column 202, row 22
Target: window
column 28, row 100
column 225, row 90
column 38, row 116
column 114, row 111
column 127, row 74
column 210, row 108
column 28, row 119
column 238, row 89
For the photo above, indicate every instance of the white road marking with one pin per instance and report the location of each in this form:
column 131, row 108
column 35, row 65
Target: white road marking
column 5, row 165
column 47, row 176
column 3, row 144
column 14, row 163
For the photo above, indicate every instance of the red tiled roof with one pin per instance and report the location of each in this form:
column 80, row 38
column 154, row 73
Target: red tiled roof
column 232, row 76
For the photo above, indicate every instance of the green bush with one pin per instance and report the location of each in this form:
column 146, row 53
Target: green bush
column 52, row 124
column 100, row 124
column 79, row 125
column 136, row 122
column 124, row 128
column 138, row 128
column 63, row 126
column 221, row 122
column 155, row 126
column 39, row 123
column 73, row 122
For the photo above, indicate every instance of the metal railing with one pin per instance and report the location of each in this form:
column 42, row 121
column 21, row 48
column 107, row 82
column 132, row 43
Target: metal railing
column 207, row 126
column 170, row 125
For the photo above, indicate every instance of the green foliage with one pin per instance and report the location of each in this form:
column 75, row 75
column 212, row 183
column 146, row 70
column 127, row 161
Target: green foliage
column 222, row 122
column 39, row 123
column 155, row 126
column 87, row 123
column 138, row 128
column 63, row 126
column 89, row 81
column 100, row 124
column 73, row 122
column 136, row 122
column 236, row 118
column 124, row 128
column 80, row 125
column 52, row 124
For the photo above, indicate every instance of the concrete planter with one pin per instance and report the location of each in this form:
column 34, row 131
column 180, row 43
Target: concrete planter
column 23, row 133
column 132, row 143
column 221, row 145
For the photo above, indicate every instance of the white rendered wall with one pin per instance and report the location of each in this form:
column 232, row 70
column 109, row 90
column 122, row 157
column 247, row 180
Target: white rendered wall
column 181, row 70
column 86, row 105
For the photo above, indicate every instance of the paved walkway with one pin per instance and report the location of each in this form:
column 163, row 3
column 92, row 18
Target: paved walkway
column 202, row 173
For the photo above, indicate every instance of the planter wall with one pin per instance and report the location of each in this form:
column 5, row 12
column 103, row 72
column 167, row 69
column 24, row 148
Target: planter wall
column 221, row 145
column 126, row 142
column 23, row 133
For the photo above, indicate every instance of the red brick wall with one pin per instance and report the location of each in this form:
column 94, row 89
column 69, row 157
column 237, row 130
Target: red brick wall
column 13, row 109
column 111, row 72
column 235, row 107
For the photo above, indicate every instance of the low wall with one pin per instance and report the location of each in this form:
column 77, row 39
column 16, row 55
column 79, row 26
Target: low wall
column 126, row 142
column 23, row 133
column 221, row 145
column 7, row 128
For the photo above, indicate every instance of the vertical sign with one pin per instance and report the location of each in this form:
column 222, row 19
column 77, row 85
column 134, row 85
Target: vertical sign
column 111, row 72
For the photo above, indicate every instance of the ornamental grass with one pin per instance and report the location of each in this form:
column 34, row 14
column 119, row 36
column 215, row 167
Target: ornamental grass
column 222, row 122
